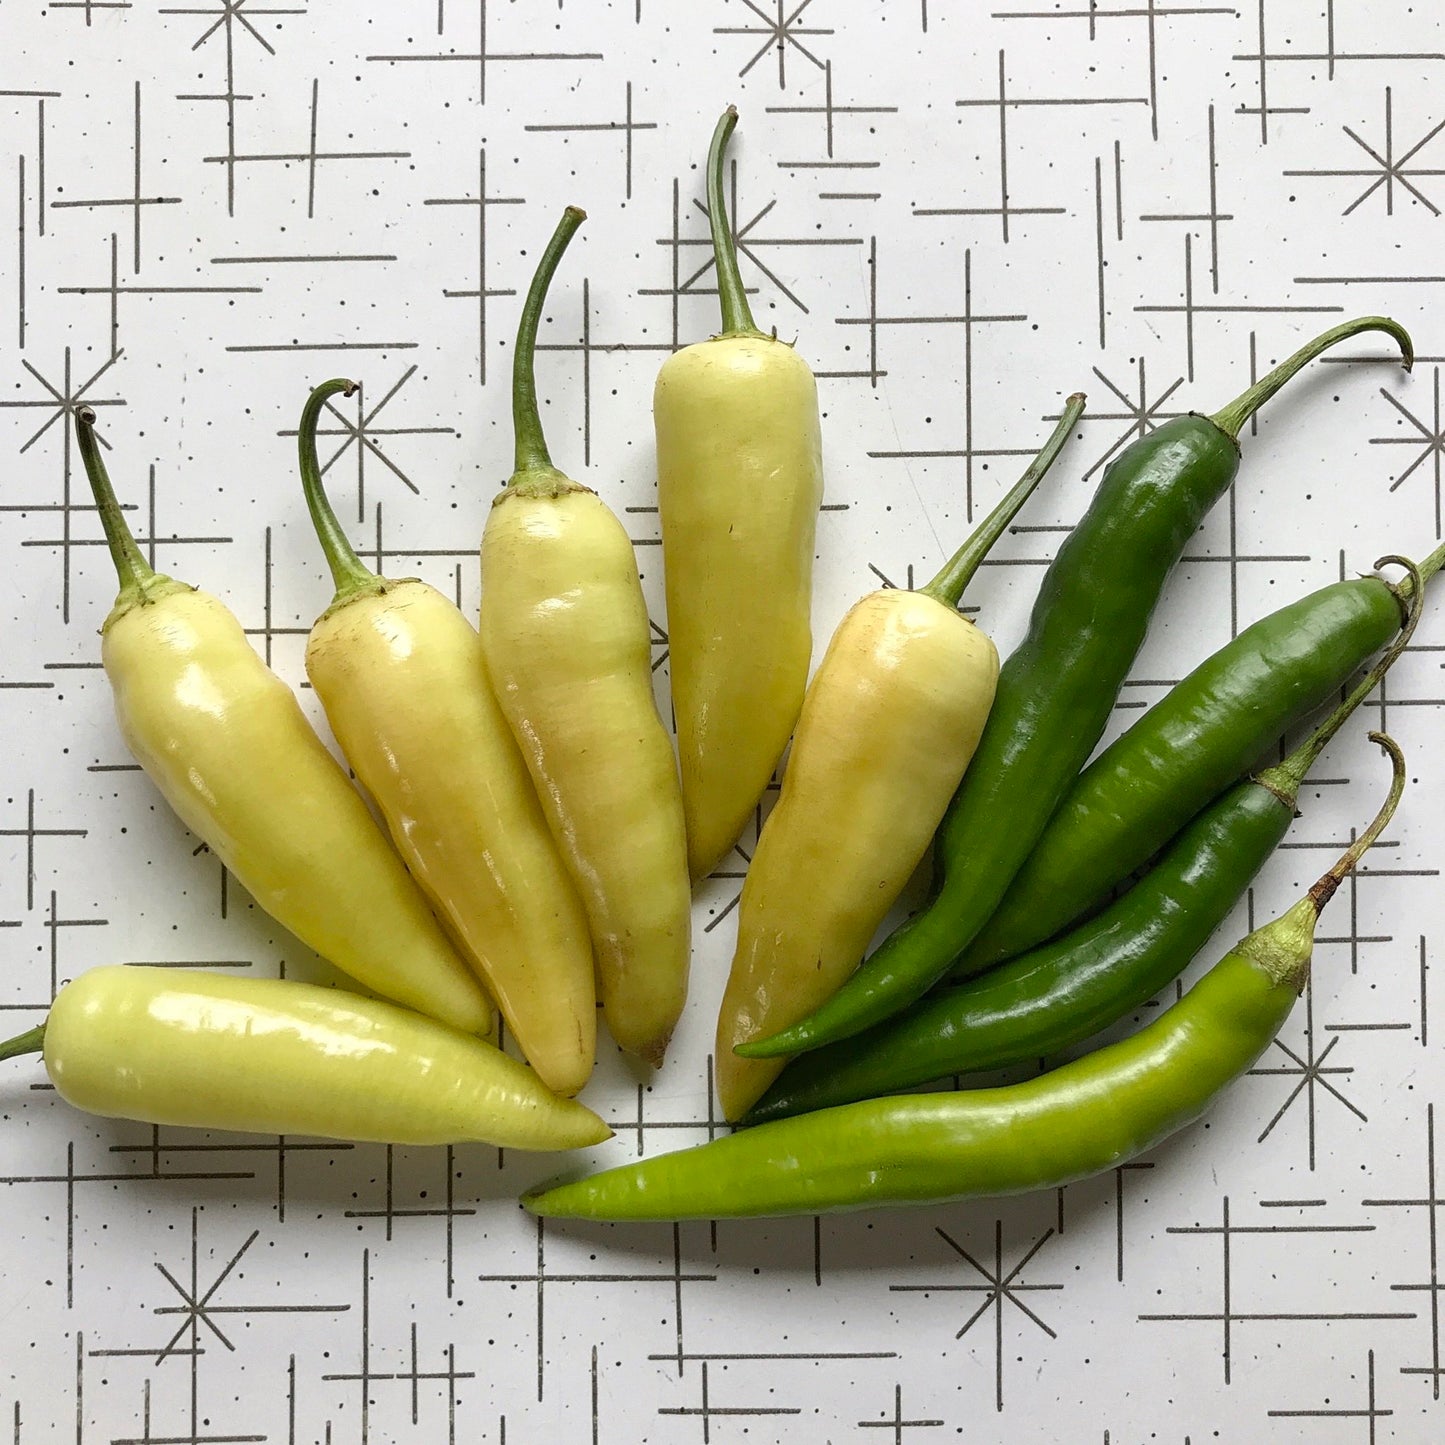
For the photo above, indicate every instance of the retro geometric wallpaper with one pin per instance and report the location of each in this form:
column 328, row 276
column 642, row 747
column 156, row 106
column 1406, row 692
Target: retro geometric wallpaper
column 962, row 212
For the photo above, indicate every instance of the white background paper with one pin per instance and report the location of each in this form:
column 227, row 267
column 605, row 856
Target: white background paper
column 962, row 214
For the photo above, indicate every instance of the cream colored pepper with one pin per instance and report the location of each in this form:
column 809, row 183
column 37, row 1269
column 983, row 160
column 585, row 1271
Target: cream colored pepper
column 401, row 675
column 889, row 725
column 739, row 484
column 568, row 647
column 272, row 1056
column 227, row 744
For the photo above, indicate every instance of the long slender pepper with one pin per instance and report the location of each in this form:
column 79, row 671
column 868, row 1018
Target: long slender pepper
column 401, row 675
column 226, row 742
column 739, row 484
column 568, row 646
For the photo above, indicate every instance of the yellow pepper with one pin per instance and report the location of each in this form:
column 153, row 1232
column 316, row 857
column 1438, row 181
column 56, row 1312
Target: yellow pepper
column 270, row 1056
column 227, row 744
column 739, row 484
column 568, row 647
column 401, row 675
column 889, row 725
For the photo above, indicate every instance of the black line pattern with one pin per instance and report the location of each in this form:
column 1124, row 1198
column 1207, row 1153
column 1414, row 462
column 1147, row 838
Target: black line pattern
column 960, row 214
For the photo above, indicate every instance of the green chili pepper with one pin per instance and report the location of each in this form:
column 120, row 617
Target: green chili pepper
column 1079, row 1120
column 1063, row 992
column 1056, row 691
column 269, row 1056
column 1142, row 789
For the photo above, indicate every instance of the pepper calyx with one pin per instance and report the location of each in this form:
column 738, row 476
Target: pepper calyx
column 143, row 592
column 544, row 483
column 751, row 333
column 1281, row 949
column 1223, row 431
column 375, row 586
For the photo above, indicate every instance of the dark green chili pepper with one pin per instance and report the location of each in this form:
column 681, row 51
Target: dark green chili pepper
column 1063, row 992
column 1081, row 1119
column 1141, row 790
column 1056, row 691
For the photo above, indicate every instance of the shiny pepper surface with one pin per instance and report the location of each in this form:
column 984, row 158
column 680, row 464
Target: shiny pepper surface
column 739, row 484
column 888, row 727
column 401, row 675
column 569, row 650
column 889, row 724
column 1058, row 688
column 1089, row 1116
column 227, row 744
column 1059, row 994
column 270, row 1056
column 1184, row 751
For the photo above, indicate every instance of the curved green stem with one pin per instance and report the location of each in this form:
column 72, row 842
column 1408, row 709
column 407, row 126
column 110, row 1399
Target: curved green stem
column 131, row 566
column 348, row 571
column 1231, row 419
column 1286, row 778
column 958, row 571
column 737, row 316
column 26, row 1043
column 1324, row 890
column 1427, row 569
column 531, row 445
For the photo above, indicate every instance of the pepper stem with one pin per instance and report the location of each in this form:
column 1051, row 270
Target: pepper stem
column 737, row 315
column 1283, row 948
column 131, row 566
column 1428, row 568
column 347, row 569
column 1324, row 890
column 1231, row 419
column 958, row 571
column 30, row 1042
column 531, row 445
column 1285, row 779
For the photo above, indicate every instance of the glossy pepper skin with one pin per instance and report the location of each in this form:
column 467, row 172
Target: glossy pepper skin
column 1184, row 751
column 567, row 642
column 227, row 744
column 1056, row 691
column 1062, row 992
column 401, row 675
column 889, row 724
column 1086, row 1117
column 739, row 484
column 1067, row 990
column 269, row 1056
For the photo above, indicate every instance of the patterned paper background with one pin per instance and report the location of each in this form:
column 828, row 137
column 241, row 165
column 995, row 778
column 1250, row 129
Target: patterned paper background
column 962, row 212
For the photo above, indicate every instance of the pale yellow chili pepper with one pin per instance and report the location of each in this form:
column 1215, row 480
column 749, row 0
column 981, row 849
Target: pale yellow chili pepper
column 401, row 675
column 739, row 484
column 568, row 647
column 227, row 744
column 271, row 1056
column 889, row 725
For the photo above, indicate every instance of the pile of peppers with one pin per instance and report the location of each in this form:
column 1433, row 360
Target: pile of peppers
column 539, row 836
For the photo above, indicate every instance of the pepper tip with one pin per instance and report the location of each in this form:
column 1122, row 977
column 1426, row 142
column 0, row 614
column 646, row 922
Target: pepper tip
column 653, row 1052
